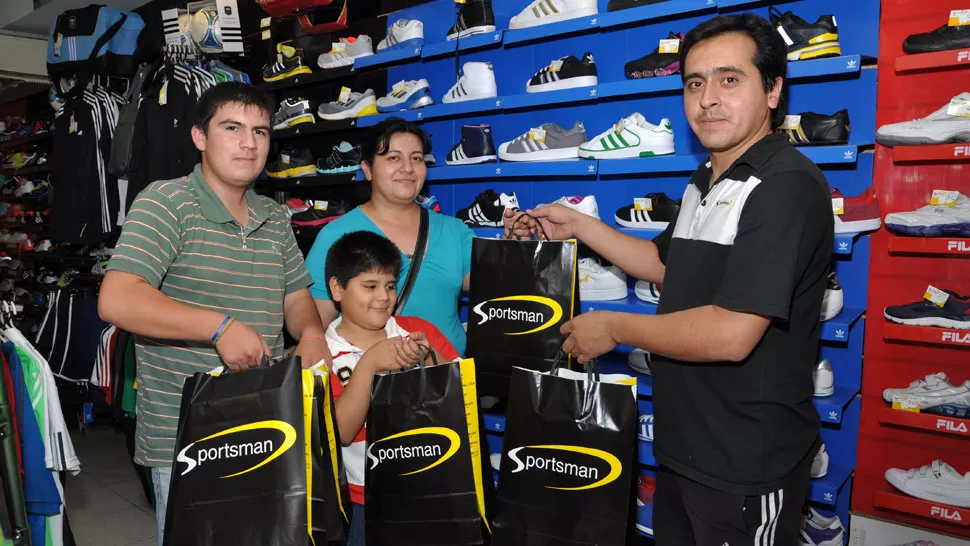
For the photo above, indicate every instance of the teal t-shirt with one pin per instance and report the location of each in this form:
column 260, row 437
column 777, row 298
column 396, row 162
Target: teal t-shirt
column 436, row 290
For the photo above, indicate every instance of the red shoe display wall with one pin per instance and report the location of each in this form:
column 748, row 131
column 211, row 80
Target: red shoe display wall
column 912, row 86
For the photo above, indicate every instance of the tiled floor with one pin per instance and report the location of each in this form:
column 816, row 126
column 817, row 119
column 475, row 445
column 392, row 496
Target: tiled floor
column 106, row 504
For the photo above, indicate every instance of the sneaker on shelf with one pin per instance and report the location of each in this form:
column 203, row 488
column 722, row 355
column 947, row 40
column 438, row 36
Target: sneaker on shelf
column 477, row 81
column 933, row 220
column 544, row 12
column 820, row 464
column 807, row 40
column 598, row 283
column 344, row 158
column 934, row 394
column 474, row 17
column 495, row 461
column 430, row 203
column 475, row 146
column 656, row 63
column 47, row 277
column 943, row 38
column 291, row 163
column 564, row 73
column 586, row 205
column 353, row 105
column 296, row 205
column 632, row 136
column 652, row 211
column 955, row 313
column 102, row 251
column 45, row 246
column 406, row 95
column 99, row 268
column 832, row 299
column 429, row 160
column 6, row 285
column 28, row 245
column 935, row 482
column 404, row 33
column 345, row 50
column 823, row 379
column 293, row 112
column 817, row 129
column 647, row 291
column 646, row 487
column 820, row 530
column 488, row 209
column 639, row 360
column 859, row 213
column 26, row 188
column 286, row 67
column 645, row 427
column 320, row 213
column 548, row 142
column 936, row 128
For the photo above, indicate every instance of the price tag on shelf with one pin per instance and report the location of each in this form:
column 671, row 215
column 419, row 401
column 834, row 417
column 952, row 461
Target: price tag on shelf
column 321, row 205
column 670, row 46
column 344, row 94
column 398, row 87
column 555, row 66
column 265, row 22
column 958, row 107
column 266, row 34
column 905, row 404
column 460, row 1
column 959, row 18
column 792, row 123
column 643, row 203
column 537, row 134
column 838, row 206
column 944, row 198
column 935, row 295
column 338, row 47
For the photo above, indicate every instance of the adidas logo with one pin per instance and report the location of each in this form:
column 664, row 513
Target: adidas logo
column 848, row 155
column 498, row 170
column 851, row 63
column 591, row 168
column 843, row 245
column 840, row 333
column 592, row 92
column 496, row 37
column 829, row 497
column 593, row 22
column 834, row 415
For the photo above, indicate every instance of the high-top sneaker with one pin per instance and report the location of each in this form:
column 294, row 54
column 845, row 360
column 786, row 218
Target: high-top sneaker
column 564, row 73
column 807, row 40
column 475, row 147
column 656, row 63
column 474, row 17
column 477, row 81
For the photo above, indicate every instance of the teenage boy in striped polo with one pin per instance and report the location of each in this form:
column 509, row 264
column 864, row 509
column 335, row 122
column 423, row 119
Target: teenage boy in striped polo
column 206, row 272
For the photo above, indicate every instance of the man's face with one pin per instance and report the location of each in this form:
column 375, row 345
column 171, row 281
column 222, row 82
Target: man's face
column 237, row 143
column 368, row 299
column 724, row 98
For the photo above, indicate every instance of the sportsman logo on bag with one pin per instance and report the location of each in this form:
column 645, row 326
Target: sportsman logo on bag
column 567, row 468
column 248, row 447
column 416, row 450
column 521, row 314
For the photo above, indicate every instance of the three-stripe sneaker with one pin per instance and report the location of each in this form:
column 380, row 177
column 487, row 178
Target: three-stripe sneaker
column 402, row 34
column 548, row 142
column 647, row 291
column 477, row 81
column 807, row 40
column 474, row 17
column 564, row 73
column 544, row 12
column 820, row 129
column 656, row 63
column 406, row 95
column 291, row 163
column 344, row 158
column 293, row 112
column 350, row 106
column 488, row 210
column 345, row 51
column 285, row 67
column 475, row 147
column 652, row 211
column 632, row 136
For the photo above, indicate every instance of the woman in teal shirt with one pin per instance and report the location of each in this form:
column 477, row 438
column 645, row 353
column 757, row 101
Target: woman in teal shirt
column 394, row 164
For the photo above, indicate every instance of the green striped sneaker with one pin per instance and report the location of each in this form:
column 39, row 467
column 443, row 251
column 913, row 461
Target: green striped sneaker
column 632, row 136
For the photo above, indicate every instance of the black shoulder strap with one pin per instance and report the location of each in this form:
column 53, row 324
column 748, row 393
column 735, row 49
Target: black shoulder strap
column 83, row 78
column 419, row 249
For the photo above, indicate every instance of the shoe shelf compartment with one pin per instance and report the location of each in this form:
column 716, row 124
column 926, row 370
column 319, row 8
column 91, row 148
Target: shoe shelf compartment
column 919, row 507
column 831, row 408
column 661, row 164
column 570, row 26
column 826, row 490
column 577, row 167
column 930, row 422
column 837, row 328
column 314, row 181
column 369, row 121
column 950, row 337
column 954, row 58
column 654, row 11
column 318, row 126
column 630, row 304
column 932, row 153
column 551, row 98
column 387, row 57
column 929, row 245
column 318, row 75
column 38, row 169
column 471, row 43
column 438, row 111
column 13, row 143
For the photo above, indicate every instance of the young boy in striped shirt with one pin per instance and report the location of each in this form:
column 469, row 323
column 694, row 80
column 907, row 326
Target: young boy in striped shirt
column 361, row 271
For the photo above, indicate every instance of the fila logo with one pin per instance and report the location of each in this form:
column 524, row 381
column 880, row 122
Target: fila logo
column 834, row 415
column 959, row 246
column 956, row 337
column 843, row 245
column 945, row 513
column 951, row 426
column 963, row 56
column 828, row 497
column 961, row 150
column 851, row 63
column 840, row 333
column 848, row 155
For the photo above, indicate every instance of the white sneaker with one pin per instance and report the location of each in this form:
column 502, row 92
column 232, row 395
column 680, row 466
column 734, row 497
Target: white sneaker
column 598, row 283
column 933, row 220
column 820, row 464
column 935, row 482
column 406, row 95
column 477, row 81
column 824, row 379
column 632, row 136
column 934, row 394
column 586, row 205
column 495, row 459
column 832, row 300
column 402, row 34
column 936, row 128
column 647, row 291
column 639, row 360
column 345, row 51
column 821, row 531
column 543, row 12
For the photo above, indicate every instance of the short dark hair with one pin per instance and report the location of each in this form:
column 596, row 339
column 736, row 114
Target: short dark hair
column 230, row 92
column 379, row 140
column 361, row 252
column 770, row 57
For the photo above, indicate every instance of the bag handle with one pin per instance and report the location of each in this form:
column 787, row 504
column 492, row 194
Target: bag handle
column 423, row 353
column 419, row 249
column 103, row 40
column 508, row 236
column 592, row 367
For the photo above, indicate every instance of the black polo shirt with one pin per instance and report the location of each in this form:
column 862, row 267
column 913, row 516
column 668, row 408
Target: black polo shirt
column 758, row 241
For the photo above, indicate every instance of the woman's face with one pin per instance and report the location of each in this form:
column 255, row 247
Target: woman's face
column 398, row 175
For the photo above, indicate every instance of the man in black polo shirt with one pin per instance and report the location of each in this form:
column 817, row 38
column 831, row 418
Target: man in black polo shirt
column 735, row 337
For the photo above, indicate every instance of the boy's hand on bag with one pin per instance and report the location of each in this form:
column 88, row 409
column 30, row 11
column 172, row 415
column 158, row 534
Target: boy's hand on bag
column 242, row 347
column 386, row 356
column 417, row 342
column 523, row 229
column 558, row 222
column 590, row 335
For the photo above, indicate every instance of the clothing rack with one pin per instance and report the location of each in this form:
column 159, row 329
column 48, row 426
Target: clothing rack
column 13, row 491
column 182, row 53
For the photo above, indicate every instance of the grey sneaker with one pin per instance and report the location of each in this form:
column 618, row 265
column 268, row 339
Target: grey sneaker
column 549, row 142
column 346, row 50
column 293, row 112
column 356, row 105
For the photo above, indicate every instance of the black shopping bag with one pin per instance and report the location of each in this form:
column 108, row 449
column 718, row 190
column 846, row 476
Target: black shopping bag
column 247, row 469
column 568, row 460
column 522, row 292
column 424, row 481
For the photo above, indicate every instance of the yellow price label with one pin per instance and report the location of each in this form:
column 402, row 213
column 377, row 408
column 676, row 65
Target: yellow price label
column 935, row 295
column 338, row 47
column 959, row 18
column 344, row 94
column 838, row 206
column 944, row 198
column 670, row 46
column 643, row 203
column 905, row 404
column 537, row 134
column 321, row 205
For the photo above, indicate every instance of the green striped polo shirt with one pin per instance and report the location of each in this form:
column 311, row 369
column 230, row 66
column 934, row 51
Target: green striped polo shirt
column 181, row 239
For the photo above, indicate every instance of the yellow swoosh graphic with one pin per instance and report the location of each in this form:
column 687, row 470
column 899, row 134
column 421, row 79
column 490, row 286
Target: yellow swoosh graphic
column 289, row 438
column 548, row 302
column 441, row 431
column 615, row 466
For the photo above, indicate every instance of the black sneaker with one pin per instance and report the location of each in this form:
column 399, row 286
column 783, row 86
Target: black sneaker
column 812, row 128
column 291, row 163
column 474, row 17
column 955, row 313
column 320, row 213
column 617, row 5
column 656, row 63
column 343, row 159
column 565, row 73
column 654, row 211
column 488, row 210
column 475, row 147
column 941, row 39
column 293, row 112
column 807, row 40
column 286, row 66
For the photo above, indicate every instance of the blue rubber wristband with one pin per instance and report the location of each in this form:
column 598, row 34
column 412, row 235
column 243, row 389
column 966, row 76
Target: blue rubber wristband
column 215, row 336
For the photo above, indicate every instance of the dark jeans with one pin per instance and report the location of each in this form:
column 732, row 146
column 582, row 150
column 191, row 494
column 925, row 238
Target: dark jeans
column 355, row 536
